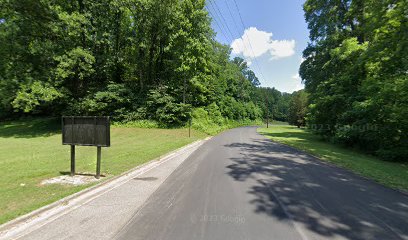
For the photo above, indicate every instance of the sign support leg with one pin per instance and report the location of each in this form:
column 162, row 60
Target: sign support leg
column 72, row 160
column 98, row 162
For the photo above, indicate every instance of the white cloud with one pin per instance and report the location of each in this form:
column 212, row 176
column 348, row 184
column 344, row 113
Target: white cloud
column 297, row 77
column 255, row 43
column 297, row 85
column 282, row 49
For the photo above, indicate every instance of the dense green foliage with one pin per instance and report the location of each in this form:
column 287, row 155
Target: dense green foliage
column 130, row 59
column 275, row 105
column 297, row 109
column 356, row 73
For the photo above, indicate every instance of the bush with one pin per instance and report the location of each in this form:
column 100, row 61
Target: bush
column 204, row 121
column 214, row 114
column 138, row 124
column 115, row 101
column 162, row 107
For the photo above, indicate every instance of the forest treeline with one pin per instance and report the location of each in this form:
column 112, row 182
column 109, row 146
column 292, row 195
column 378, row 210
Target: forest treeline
column 129, row 59
column 159, row 60
column 356, row 73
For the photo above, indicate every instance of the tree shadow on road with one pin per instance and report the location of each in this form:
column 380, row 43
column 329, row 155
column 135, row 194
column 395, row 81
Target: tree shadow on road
column 327, row 201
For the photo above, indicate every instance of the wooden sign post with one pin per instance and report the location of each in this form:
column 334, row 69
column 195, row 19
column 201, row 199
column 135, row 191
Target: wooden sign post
column 86, row 131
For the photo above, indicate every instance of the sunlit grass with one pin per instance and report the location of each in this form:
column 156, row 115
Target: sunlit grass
column 31, row 151
column 391, row 174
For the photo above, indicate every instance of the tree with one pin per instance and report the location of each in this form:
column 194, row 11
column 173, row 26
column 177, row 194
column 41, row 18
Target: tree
column 298, row 108
column 355, row 72
column 113, row 56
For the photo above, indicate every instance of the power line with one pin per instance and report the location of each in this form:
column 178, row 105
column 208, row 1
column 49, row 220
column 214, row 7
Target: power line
column 249, row 41
column 235, row 24
column 232, row 17
column 224, row 22
column 218, row 25
column 222, row 26
column 222, row 17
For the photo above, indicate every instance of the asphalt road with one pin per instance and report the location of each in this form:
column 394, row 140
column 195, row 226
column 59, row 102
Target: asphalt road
column 239, row 185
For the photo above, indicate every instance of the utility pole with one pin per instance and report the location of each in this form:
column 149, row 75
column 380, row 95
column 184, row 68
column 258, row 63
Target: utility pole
column 267, row 110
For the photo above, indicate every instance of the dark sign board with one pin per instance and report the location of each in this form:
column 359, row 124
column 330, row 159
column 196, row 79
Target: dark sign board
column 86, row 131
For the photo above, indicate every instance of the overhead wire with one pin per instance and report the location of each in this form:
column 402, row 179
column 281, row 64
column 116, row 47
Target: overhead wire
column 232, row 17
column 249, row 41
column 235, row 24
column 217, row 8
column 219, row 22
column 222, row 24
column 218, row 25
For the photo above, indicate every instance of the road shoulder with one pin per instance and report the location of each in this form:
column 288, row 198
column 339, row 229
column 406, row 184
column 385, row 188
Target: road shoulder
column 104, row 207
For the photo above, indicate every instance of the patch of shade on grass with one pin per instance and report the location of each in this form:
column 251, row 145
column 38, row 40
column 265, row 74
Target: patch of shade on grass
column 391, row 174
column 31, row 151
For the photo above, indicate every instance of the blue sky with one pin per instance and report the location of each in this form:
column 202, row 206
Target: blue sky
column 272, row 42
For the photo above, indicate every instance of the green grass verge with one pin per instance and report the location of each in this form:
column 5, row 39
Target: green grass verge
column 391, row 174
column 31, row 151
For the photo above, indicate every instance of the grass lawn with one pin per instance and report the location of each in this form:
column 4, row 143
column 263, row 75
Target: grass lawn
column 31, row 151
column 394, row 175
